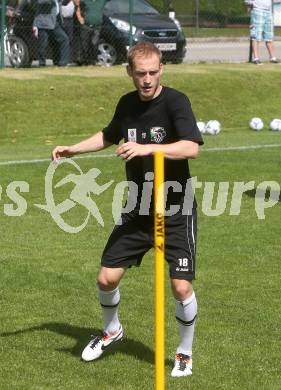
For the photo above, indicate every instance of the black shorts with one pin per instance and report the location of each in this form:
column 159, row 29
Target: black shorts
column 130, row 241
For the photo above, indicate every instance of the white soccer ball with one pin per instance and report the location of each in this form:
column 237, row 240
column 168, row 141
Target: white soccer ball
column 202, row 127
column 275, row 125
column 256, row 124
column 213, row 127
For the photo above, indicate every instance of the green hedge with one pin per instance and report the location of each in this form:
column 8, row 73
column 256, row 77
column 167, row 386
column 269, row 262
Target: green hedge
column 187, row 7
column 212, row 13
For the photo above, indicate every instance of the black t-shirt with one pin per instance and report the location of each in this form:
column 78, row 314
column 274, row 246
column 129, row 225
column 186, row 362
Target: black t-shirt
column 165, row 119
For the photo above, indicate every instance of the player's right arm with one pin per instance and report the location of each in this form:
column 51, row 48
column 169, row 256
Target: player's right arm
column 93, row 144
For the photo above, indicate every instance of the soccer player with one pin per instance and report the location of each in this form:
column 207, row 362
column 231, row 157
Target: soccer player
column 151, row 118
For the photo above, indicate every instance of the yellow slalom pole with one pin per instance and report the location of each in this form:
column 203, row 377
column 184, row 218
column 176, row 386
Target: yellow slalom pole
column 159, row 243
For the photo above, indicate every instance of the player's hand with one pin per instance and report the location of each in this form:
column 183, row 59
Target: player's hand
column 61, row 151
column 129, row 150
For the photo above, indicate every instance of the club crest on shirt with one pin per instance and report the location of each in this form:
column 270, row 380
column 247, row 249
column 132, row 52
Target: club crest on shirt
column 132, row 135
column 157, row 134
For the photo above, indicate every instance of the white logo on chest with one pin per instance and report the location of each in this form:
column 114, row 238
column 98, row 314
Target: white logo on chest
column 157, row 134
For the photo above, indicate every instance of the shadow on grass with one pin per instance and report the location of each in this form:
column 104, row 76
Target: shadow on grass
column 273, row 194
column 82, row 335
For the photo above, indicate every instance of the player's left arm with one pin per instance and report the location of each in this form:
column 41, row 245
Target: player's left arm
column 178, row 150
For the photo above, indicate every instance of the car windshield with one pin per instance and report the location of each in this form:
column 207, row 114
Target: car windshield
column 123, row 7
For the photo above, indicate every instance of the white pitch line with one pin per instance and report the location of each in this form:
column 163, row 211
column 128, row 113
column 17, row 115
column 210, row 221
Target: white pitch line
column 43, row 160
column 223, row 149
column 248, row 147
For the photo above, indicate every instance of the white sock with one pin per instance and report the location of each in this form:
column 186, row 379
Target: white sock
column 186, row 313
column 109, row 301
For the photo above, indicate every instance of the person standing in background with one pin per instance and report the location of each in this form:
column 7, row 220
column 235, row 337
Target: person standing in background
column 67, row 13
column 261, row 28
column 89, row 14
column 47, row 24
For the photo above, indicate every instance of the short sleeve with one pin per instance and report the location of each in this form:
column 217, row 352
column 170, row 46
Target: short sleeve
column 184, row 121
column 113, row 132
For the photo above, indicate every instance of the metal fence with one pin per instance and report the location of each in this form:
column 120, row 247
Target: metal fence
column 188, row 31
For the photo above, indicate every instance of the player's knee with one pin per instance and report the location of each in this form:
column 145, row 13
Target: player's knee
column 107, row 283
column 182, row 289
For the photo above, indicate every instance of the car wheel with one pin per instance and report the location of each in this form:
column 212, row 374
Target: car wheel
column 19, row 55
column 107, row 54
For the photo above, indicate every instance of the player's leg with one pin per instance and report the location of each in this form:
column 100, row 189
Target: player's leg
column 186, row 313
column 126, row 246
column 180, row 246
column 109, row 296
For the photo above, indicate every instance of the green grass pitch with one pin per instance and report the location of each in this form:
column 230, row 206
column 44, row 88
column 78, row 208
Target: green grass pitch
column 48, row 297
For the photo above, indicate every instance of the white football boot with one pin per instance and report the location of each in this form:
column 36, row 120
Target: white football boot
column 183, row 365
column 98, row 344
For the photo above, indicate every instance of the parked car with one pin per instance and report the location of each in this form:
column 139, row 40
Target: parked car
column 116, row 35
column 147, row 25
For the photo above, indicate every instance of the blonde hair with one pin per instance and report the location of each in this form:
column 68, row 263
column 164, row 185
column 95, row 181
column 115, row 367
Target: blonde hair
column 142, row 49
